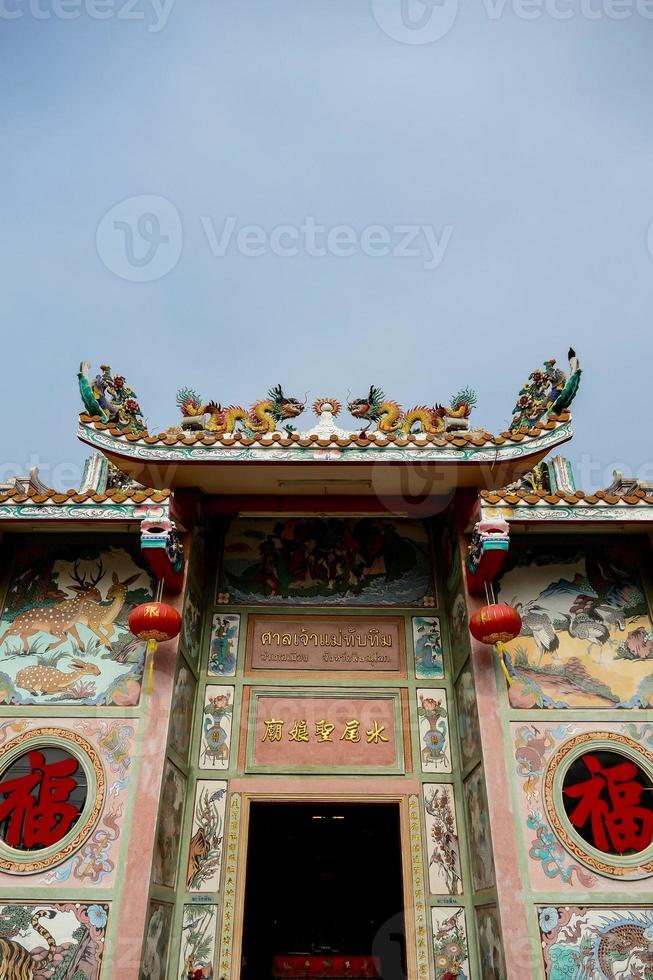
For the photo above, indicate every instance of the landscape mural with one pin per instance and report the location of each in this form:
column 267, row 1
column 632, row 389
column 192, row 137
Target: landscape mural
column 478, row 829
column 64, row 637
column 367, row 561
column 427, row 644
column 223, row 652
column 52, row 941
column 166, row 848
column 181, row 713
column 587, row 636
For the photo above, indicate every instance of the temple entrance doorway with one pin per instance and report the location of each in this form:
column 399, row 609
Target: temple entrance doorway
column 323, row 893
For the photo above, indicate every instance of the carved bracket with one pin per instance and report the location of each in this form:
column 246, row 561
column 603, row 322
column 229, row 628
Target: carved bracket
column 487, row 553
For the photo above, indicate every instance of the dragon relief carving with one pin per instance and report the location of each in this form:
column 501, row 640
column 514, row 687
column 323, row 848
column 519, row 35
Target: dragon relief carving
column 262, row 417
column 391, row 418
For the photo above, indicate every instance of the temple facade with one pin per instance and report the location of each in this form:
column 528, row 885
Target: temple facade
column 283, row 698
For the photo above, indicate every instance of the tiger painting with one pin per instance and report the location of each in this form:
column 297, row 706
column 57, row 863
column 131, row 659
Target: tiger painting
column 17, row 963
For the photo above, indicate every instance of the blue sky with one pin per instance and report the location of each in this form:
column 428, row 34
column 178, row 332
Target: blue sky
column 516, row 152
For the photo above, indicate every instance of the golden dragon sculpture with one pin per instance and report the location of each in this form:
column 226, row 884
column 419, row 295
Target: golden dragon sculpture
column 262, row 417
column 391, row 418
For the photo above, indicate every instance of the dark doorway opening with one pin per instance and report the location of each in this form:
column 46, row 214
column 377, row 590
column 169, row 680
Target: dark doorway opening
column 324, row 892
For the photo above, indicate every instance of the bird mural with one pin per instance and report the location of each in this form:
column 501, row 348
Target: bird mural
column 537, row 620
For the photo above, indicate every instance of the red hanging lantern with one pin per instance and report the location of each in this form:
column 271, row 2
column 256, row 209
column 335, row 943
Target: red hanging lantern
column 154, row 622
column 498, row 623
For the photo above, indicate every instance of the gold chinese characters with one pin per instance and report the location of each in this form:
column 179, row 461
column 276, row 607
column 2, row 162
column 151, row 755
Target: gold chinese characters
column 324, row 730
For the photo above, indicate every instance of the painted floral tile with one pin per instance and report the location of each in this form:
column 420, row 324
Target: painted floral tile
column 427, row 644
column 488, row 927
column 223, row 653
column 198, row 941
column 64, row 637
column 96, row 862
column 181, row 712
column 587, row 633
column 478, row 829
column 166, row 850
column 443, row 847
column 450, row 949
column 154, row 965
column 596, row 942
column 469, row 729
column 206, row 844
column 39, row 939
column 216, row 727
column 434, row 729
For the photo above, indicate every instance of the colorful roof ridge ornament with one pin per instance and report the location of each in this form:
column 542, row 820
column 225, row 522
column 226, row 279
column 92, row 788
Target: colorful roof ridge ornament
column 107, row 396
column 391, row 418
column 262, row 417
column 547, row 392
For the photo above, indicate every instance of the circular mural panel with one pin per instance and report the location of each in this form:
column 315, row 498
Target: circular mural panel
column 52, row 788
column 598, row 793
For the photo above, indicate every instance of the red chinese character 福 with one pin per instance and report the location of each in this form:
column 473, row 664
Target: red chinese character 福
column 610, row 800
column 41, row 818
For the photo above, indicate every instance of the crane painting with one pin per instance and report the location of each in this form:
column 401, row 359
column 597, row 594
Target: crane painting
column 587, row 632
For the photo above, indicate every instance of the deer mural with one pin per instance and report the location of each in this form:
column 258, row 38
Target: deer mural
column 63, row 618
column 40, row 679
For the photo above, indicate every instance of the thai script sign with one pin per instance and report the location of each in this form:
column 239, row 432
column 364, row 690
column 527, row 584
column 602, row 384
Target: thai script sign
column 329, row 643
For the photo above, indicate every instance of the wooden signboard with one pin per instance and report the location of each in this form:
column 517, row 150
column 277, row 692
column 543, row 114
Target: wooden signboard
column 353, row 645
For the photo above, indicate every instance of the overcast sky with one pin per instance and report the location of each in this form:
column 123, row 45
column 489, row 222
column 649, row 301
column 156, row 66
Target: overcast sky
column 435, row 197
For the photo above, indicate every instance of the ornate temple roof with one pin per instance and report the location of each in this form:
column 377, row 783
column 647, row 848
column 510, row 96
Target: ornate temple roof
column 212, row 447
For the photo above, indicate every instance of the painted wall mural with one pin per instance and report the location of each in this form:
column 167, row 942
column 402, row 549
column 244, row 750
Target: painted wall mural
column 490, row 944
column 434, row 729
column 469, row 728
column 198, row 942
column 459, row 632
column 316, row 561
column 587, row 635
column 191, row 623
column 223, row 653
column 427, row 644
column 206, row 844
column 64, row 637
column 94, row 863
column 52, row 941
column 555, row 826
column 181, row 710
column 442, row 844
column 478, row 830
column 166, row 849
column 216, row 727
column 450, row 950
column 596, row 942
column 156, row 947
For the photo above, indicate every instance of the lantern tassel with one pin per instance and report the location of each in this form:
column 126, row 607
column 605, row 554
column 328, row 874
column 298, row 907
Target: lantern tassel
column 500, row 649
column 150, row 650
